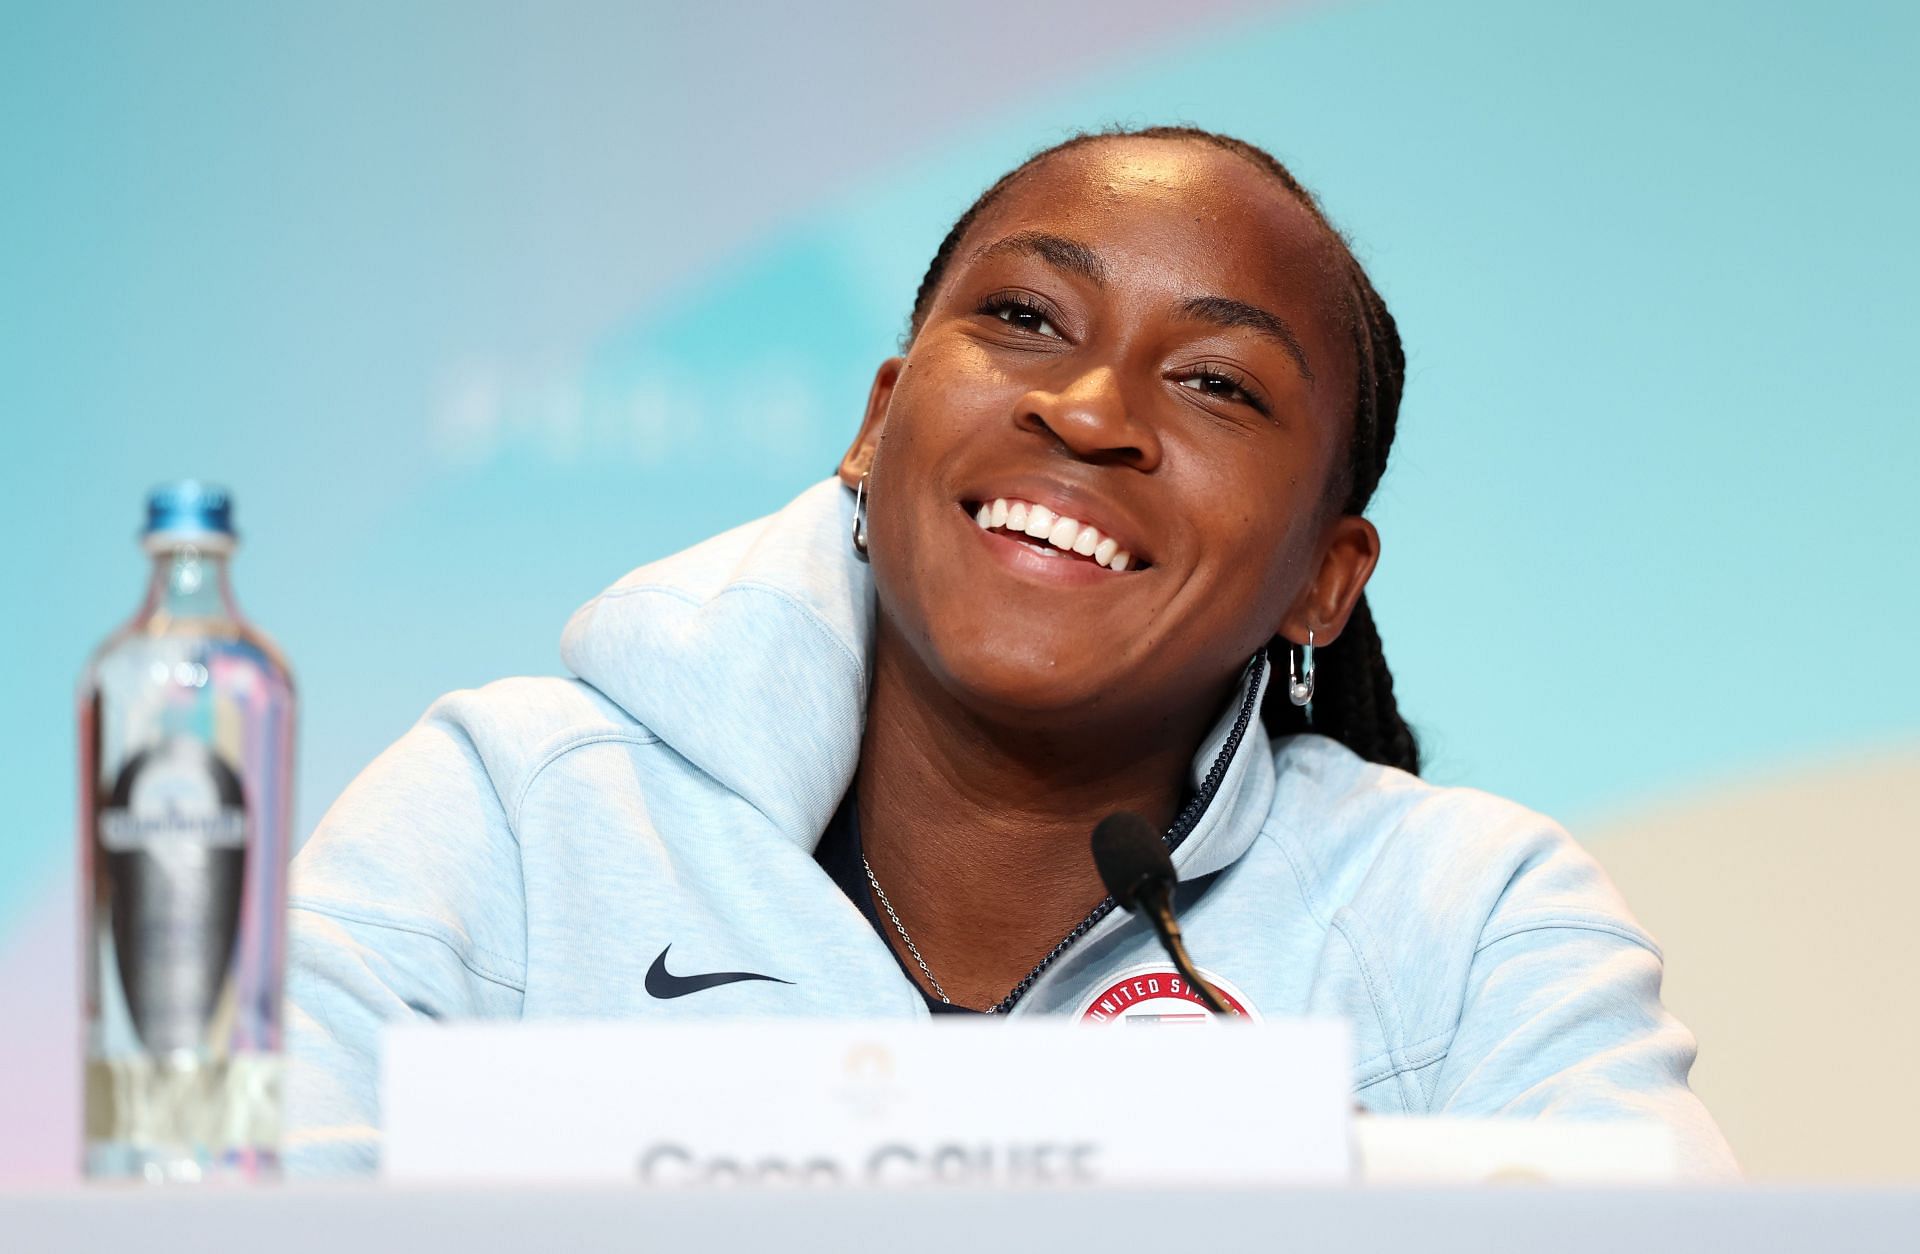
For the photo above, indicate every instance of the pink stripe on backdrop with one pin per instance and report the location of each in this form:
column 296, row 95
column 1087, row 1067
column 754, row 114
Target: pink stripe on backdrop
column 40, row 1047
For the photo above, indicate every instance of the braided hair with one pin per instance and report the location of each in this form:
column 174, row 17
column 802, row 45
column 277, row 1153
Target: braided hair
column 1353, row 688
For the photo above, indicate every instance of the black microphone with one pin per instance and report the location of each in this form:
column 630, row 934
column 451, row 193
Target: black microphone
column 1134, row 865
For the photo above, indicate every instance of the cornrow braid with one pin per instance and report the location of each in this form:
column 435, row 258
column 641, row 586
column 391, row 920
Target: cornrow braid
column 1353, row 700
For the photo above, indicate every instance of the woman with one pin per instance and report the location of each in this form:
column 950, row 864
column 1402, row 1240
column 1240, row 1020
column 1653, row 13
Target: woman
column 845, row 759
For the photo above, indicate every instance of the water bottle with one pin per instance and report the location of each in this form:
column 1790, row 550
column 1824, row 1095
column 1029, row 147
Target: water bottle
column 186, row 762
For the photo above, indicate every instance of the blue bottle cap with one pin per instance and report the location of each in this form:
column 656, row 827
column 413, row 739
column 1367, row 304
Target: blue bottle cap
column 189, row 508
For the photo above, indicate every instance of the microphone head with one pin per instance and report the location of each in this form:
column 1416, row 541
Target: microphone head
column 1130, row 857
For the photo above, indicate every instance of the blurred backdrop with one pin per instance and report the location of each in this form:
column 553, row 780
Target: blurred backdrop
column 477, row 305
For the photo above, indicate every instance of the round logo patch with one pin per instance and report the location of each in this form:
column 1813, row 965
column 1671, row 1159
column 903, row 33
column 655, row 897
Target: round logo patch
column 1154, row 993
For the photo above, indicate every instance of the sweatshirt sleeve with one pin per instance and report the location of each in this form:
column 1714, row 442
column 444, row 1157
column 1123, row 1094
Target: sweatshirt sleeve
column 1505, row 972
column 406, row 904
column 1562, row 1019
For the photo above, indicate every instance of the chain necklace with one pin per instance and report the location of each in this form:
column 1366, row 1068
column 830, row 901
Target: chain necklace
column 900, row 927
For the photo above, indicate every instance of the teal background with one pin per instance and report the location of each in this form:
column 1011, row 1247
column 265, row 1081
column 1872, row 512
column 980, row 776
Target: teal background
column 475, row 308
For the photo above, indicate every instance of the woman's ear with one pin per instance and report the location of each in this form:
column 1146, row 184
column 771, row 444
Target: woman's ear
column 1347, row 558
column 859, row 458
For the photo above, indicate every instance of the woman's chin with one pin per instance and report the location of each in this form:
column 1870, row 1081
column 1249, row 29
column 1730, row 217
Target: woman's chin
column 1011, row 682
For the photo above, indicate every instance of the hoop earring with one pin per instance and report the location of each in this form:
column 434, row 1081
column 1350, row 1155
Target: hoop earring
column 860, row 520
column 1300, row 681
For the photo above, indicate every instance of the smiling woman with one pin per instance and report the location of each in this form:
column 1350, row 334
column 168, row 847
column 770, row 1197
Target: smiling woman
column 1119, row 468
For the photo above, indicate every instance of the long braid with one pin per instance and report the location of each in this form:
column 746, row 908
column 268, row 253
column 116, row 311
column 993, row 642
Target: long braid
column 1358, row 708
column 1353, row 701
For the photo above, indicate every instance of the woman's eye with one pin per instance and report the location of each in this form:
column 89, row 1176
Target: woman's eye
column 1020, row 314
column 1227, row 387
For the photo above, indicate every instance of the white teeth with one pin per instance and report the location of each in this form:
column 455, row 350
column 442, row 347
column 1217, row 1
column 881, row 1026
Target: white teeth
column 1069, row 535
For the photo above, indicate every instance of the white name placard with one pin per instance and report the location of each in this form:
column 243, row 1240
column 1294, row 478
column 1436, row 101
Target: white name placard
column 833, row 1104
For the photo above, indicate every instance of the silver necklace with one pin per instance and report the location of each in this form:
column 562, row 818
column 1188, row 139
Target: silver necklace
column 900, row 927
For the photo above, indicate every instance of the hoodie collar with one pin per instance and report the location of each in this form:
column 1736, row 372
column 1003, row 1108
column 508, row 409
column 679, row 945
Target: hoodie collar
column 749, row 655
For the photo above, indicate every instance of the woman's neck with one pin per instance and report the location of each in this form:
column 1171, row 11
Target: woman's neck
column 978, row 833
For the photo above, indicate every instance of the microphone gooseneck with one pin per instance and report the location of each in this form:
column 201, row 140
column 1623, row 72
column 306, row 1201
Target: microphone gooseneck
column 1136, row 868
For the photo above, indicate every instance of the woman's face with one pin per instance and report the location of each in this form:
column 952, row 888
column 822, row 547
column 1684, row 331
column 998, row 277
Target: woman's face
column 1145, row 337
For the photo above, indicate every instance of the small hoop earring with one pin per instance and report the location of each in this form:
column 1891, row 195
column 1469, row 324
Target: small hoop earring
column 860, row 520
column 1300, row 681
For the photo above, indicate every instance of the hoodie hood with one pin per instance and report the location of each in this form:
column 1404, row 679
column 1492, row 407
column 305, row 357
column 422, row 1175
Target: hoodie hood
column 749, row 655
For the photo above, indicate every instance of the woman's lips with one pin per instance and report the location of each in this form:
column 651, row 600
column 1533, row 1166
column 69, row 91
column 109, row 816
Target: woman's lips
column 1051, row 534
column 1036, row 558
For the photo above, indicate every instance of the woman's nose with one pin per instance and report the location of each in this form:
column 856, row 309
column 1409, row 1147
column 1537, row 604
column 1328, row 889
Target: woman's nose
column 1092, row 418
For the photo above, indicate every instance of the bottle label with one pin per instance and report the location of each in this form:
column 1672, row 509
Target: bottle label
column 173, row 840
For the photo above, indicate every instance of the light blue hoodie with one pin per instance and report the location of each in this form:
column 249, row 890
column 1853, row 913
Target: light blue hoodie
column 530, row 849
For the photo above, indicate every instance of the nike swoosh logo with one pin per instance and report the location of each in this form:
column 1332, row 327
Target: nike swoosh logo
column 663, row 984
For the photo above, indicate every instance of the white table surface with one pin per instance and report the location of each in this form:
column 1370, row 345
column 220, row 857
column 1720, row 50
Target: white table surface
column 294, row 1219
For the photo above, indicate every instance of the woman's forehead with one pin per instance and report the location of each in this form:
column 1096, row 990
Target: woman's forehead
column 1151, row 167
column 1173, row 200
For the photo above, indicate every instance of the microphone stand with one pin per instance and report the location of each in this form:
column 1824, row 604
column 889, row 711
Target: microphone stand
column 1156, row 900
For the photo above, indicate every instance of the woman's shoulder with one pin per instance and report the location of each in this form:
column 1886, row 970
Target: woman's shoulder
column 1380, row 841
column 512, row 725
column 438, row 806
column 1322, row 783
column 492, row 738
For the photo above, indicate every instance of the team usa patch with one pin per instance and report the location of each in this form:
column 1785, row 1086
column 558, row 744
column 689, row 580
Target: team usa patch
column 1153, row 993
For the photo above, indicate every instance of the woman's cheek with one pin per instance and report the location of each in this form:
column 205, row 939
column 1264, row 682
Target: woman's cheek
column 945, row 402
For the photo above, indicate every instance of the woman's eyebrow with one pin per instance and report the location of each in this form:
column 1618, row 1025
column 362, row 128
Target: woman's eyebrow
column 1056, row 250
column 1222, row 311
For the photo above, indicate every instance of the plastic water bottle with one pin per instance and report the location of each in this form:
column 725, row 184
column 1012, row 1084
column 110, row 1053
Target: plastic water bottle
column 186, row 762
